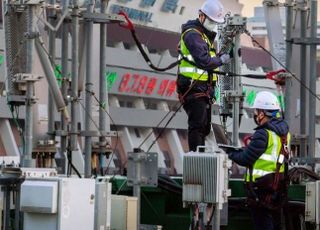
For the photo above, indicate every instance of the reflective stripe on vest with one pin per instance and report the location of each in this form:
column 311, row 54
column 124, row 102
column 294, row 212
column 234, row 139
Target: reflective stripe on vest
column 267, row 162
column 189, row 57
column 186, row 68
column 191, row 70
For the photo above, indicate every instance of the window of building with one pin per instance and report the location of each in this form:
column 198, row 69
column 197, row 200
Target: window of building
column 124, row 1
column 125, row 104
column 147, row 3
column 169, row 6
column 150, row 105
column 259, row 28
column 182, row 10
column 136, row 131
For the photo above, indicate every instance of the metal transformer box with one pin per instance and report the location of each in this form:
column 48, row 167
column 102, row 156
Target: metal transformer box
column 58, row 204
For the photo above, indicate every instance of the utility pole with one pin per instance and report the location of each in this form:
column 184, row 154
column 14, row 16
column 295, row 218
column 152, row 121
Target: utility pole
column 88, row 93
column 313, row 78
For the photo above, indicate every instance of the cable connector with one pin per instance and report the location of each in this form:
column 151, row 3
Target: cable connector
column 276, row 76
column 129, row 24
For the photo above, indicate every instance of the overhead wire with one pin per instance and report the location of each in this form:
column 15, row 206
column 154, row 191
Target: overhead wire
column 175, row 112
column 130, row 26
column 77, row 99
column 96, row 125
column 163, row 129
column 217, row 72
column 282, row 65
column 230, row 74
column 54, row 66
column 102, row 106
column 235, row 74
column 83, row 107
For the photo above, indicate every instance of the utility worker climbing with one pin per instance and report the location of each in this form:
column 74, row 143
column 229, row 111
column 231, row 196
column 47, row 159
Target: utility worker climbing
column 265, row 158
column 195, row 81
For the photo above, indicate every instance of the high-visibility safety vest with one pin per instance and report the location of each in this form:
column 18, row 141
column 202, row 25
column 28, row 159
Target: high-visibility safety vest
column 267, row 162
column 189, row 70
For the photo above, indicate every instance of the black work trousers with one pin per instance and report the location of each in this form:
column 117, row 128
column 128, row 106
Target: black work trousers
column 199, row 119
column 265, row 219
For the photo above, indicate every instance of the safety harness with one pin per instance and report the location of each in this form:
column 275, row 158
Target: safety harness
column 282, row 160
column 276, row 195
column 185, row 97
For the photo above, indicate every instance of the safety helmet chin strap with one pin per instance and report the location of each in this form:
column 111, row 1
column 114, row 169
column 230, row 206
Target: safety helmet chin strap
column 272, row 113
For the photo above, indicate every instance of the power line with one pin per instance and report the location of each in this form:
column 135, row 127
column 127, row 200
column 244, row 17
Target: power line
column 282, row 65
column 175, row 112
column 158, row 125
column 163, row 129
column 115, row 126
column 86, row 111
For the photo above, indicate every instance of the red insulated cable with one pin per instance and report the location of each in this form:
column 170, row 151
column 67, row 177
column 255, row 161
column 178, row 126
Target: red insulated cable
column 129, row 24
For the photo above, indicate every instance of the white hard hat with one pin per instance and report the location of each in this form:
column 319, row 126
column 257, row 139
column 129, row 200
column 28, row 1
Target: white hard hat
column 214, row 10
column 266, row 100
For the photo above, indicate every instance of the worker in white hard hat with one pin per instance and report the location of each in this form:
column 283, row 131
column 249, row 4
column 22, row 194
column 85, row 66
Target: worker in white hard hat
column 195, row 80
column 265, row 159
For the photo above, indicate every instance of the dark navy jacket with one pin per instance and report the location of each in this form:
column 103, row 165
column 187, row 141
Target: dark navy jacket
column 197, row 47
column 199, row 50
column 259, row 142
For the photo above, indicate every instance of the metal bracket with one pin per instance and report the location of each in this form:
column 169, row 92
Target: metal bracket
column 61, row 133
column 91, row 133
column 233, row 93
column 105, row 148
column 148, row 167
column 301, row 6
column 26, row 77
column 103, row 18
column 306, row 41
column 45, row 146
column 271, row 3
column 305, row 161
column 38, row 173
column 237, row 20
column 31, row 35
column 21, row 79
column 33, row 2
column 46, row 142
column 95, row 133
column 109, row 134
column 276, row 3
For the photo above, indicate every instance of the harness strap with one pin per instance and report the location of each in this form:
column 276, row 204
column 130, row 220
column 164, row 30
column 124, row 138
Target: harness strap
column 282, row 159
column 182, row 98
column 191, row 61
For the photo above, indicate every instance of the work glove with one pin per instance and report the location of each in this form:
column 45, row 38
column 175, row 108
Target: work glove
column 225, row 58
